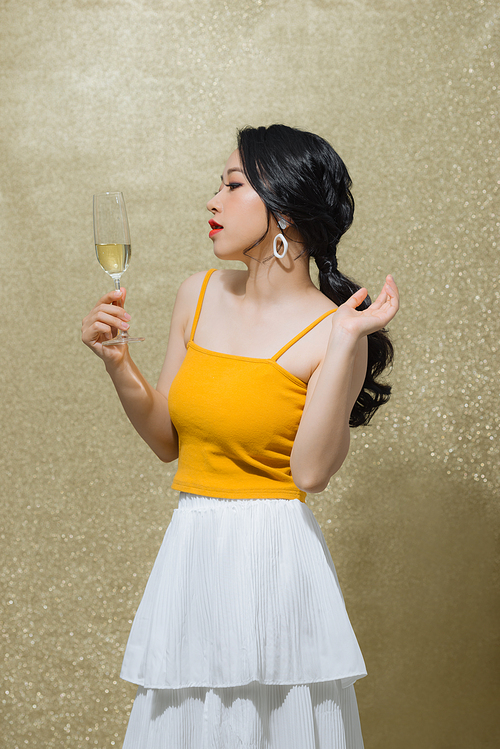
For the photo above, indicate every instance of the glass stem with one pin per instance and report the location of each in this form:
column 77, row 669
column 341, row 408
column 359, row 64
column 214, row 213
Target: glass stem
column 121, row 333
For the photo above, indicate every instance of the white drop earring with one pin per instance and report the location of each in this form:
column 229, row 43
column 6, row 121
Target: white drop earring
column 284, row 244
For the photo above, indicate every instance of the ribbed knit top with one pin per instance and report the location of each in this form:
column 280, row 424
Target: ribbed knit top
column 236, row 418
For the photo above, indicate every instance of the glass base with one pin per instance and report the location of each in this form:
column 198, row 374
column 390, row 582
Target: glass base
column 121, row 341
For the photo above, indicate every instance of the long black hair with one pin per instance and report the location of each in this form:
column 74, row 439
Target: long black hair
column 298, row 175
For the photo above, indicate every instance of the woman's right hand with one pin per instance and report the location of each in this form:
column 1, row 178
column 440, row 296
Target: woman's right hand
column 102, row 323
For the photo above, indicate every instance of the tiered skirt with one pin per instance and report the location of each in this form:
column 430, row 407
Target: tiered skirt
column 242, row 639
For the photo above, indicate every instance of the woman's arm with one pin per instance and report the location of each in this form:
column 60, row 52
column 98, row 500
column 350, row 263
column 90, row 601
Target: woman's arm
column 145, row 406
column 323, row 437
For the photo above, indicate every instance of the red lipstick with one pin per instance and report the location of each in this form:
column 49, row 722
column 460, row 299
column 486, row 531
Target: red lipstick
column 216, row 228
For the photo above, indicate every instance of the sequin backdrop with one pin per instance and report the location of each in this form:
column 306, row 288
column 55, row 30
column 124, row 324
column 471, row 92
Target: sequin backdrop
column 145, row 97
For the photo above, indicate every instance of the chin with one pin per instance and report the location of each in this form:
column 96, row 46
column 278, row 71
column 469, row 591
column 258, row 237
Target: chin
column 227, row 255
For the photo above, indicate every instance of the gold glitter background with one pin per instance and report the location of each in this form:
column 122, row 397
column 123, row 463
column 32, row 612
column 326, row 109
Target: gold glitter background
column 145, row 97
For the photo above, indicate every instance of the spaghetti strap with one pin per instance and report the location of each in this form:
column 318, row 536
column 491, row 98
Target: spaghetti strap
column 200, row 302
column 300, row 335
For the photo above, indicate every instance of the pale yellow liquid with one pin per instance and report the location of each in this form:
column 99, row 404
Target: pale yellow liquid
column 114, row 258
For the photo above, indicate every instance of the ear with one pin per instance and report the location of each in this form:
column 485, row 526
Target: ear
column 282, row 221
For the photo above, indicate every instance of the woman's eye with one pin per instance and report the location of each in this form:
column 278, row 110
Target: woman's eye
column 232, row 186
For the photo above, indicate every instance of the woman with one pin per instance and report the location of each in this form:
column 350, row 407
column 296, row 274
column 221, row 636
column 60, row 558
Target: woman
column 242, row 638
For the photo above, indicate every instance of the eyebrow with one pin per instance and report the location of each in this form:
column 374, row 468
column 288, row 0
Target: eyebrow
column 233, row 169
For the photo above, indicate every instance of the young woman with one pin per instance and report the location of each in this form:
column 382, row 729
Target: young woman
column 242, row 638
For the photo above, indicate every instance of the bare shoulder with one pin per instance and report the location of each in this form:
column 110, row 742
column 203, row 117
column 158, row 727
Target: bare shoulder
column 187, row 299
column 321, row 301
column 312, row 305
column 189, row 289
column 225, row 276
column 312, row 314
column 189, row 293
column 185, row 302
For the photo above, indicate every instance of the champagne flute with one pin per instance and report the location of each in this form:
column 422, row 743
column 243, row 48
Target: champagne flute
column 112, row 245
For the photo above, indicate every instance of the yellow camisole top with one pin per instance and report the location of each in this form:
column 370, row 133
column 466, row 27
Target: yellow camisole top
column 236, row 419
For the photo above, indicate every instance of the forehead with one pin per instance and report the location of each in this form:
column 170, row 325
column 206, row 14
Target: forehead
column 234, row 161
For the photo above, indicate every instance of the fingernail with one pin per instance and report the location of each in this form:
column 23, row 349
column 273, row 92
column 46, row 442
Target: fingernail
column 127, row 316
column 125, row 326
column 117, row 293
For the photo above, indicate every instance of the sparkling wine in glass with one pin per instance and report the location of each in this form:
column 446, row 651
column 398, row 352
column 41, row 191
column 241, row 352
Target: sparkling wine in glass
column 112, row 245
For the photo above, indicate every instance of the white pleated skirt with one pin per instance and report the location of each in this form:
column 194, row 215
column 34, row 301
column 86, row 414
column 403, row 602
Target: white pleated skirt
column 242, row 639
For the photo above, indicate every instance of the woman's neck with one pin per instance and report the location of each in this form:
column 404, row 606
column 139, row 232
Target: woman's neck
column 271, row 281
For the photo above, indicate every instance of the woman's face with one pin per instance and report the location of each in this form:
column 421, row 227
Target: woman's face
column 239, row 215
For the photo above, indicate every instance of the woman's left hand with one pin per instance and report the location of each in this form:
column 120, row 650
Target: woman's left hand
column 363, row 322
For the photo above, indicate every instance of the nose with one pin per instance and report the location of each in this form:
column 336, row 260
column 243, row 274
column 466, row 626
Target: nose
column 214, row 204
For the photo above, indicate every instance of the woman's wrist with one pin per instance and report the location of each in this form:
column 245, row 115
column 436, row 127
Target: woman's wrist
column 343, row 338
column 117, row 368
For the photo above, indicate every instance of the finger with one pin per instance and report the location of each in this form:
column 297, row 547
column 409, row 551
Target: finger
column 104, row 312
column 120, row 300
column 112, row 321
column 380, row 300
column 101, row 330
column 391, row 294
column 387, row 303
column 391, row 285
column 112, row 309
column 111, row 297
column 98, row 333
column 107, row 302
column 358, row 296
column 98, row 329
column 388, row 293
column 394, row 289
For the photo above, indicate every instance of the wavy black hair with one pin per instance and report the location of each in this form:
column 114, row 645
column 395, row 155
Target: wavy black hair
column 298, row 175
